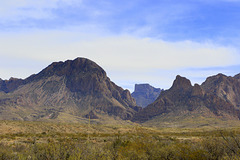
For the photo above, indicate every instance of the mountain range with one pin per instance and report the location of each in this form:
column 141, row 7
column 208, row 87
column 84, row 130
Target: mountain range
column 217, row 97
column 76, row 90
column 75, row 87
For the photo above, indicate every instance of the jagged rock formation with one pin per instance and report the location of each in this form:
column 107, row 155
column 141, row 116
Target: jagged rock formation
column 145, row 94
column 79, row 88
column 237, row 76
column 187, row 100
column 227, row 88
column 10, row 85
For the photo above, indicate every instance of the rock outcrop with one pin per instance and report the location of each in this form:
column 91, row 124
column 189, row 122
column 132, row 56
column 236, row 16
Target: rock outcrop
column 11, row 84
column 237, row 76
column 145, row 94
column 227, row 88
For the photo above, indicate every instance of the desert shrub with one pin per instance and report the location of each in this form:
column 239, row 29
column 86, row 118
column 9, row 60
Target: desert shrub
column 52, row 150
column 6, row 153
column 141, row 144
column 5, row 156
column 214, row 148
column 231, row 142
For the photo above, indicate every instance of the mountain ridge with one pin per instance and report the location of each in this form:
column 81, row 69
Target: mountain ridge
column 187, row 100
column 75, row 90
column 77, row 87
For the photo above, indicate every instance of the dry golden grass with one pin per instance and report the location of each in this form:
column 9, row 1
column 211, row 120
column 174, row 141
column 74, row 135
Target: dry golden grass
column 52, row 140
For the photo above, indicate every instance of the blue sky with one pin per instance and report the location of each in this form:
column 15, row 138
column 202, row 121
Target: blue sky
column 137, row 41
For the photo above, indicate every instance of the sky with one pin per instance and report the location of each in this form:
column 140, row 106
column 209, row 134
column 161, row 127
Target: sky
column 137, row 41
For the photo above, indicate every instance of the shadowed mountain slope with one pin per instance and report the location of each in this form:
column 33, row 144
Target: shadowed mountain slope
column 75, row 87
column 11, row 84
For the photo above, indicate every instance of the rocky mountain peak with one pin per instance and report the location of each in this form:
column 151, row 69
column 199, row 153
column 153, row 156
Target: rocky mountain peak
column 77, row 87
column 237, row 76
column 215, row 79
column 225, row 87
column 145, row 88
column 145, row 94
column 73, row 67
column 81, row 74
column 181, row 83
column 11, row 84
column 221, row 77
column 218, row 97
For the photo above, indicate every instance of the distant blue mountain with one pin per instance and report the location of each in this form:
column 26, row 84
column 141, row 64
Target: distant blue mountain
column 145, row 94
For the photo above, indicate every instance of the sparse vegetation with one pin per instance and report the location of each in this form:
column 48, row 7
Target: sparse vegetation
column 116, row 142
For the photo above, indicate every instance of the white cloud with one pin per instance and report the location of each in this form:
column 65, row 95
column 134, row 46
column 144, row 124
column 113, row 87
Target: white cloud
column 123, row 57
column 122, row 52
column 119, row 52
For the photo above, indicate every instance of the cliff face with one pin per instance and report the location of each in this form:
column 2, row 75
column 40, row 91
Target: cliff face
column 237, row 76
column 79, row 88
column 187, row 100
column 144, row 94
column 227, row 88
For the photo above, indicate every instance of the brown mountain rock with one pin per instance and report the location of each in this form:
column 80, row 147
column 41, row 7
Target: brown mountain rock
column 10, row 85
column 187, row 100
column 237, row 76
column 197, row 91
column 227, row 88
column 79, row 88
